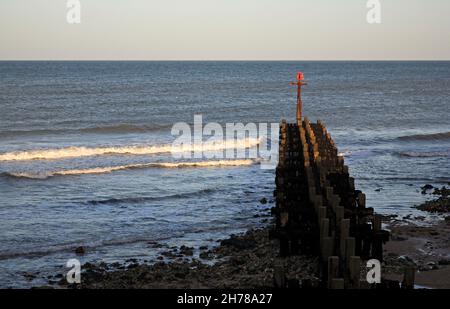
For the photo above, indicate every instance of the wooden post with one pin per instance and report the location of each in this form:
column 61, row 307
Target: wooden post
column 377, row 223
column 354, row 272
column 361, row 200
column 312, row 191
column 284, row 219
column 324, row 228
column 329, row 191
column 333, row 269
column 339, row 214
column 345, row 233
column 279, row 275
column 345, row 169
column 337, row 284
column 327, row 248
column 334, row 202
column 351, row 183
column 322, row 214
column 317, row 203
column 409, row 277
column 349, row 249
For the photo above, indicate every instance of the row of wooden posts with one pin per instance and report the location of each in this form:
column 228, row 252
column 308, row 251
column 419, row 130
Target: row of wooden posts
column 319, row 211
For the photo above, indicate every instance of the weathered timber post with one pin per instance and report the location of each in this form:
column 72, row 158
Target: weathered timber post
column 354, row 272
column 333, row 269
column 409, row 277
column 279, row 276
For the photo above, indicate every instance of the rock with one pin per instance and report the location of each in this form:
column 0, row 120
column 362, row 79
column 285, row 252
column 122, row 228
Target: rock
column 406, row 260
column 425, row 268
column 388, row 218
column 238, row 242
column 442, row 192
column 203, row 248
column 157, row 245
column 206, row 255
column 444, row 262
column 186, row 251
column 29, row 276
column 80, row 251
column 263, row 200
column 427, row 187
column 440, row 205
column 378, row 190
column 429, row 266
column 168, row 254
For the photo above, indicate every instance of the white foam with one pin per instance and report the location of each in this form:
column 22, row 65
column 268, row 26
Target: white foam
column 75, row 152
column 110, row 169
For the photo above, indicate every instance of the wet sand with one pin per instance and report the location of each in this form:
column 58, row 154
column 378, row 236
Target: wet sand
column 426, row 247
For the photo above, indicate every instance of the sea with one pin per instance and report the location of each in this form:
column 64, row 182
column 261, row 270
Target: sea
column 86, row 151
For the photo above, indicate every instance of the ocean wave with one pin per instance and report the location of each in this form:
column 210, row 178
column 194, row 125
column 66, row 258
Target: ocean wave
column 426, row 137
column 120, row 128
column 141, row 199
column 124, row 128
column 110, row 169
column 431, row 154
column 76, row 152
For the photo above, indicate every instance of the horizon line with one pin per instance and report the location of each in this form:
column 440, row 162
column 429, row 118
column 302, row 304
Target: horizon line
column 224, row 60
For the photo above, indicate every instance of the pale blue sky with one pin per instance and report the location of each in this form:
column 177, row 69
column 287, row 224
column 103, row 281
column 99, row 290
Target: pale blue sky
column 225, row 30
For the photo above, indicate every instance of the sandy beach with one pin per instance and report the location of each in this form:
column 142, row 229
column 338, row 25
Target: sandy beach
column 424, row 246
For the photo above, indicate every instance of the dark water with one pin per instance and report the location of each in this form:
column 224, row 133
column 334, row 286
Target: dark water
column 83, row 149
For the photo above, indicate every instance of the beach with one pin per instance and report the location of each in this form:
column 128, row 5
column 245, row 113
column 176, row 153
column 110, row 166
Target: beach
column 85, row 157
column 250, row 261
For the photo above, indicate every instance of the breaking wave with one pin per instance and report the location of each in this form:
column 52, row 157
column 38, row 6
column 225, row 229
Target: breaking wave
column 415, row 154
column 426, row 137
column 131, row 200
column 110, row 169
column 75, row 152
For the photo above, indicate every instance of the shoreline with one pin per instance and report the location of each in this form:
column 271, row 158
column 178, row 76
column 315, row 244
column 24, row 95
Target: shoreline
column 245, row 261
column 251, row 260
column 425, row 247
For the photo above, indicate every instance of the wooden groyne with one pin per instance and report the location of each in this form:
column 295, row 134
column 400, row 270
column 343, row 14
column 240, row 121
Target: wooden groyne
column 318, row 209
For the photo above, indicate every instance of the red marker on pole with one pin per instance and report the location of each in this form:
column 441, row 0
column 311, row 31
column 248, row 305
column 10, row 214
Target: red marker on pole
column 299, row 83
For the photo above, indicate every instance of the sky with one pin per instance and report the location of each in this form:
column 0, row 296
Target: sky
column 224, row 30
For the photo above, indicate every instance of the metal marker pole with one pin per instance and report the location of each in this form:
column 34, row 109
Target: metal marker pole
column 299, row 84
